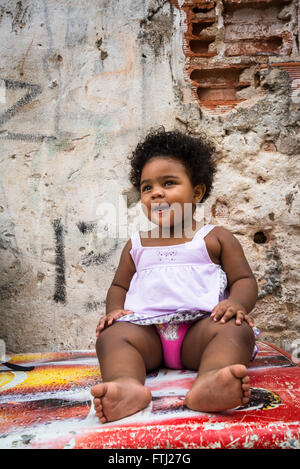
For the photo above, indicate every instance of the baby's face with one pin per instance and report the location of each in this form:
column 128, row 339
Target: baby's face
column 167, row 195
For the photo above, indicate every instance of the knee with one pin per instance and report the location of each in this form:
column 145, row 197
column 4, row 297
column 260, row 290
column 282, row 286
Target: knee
column 247, row 331
column 119, row 334
column 242, row 332
column 99, row 343
column 106, row 338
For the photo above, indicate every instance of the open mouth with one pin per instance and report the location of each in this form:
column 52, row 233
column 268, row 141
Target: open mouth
column 160, row 208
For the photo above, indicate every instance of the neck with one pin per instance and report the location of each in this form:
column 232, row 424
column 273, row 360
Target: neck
column 182, row 230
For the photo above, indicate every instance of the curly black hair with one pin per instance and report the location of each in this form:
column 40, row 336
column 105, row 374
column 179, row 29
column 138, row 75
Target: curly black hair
column 195, row 153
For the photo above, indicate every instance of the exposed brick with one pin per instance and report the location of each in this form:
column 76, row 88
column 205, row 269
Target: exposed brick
column 199, row 37
column 217, row 33
column 216, row 87
column 298, row 24
column 254, row 28
column 270, row 46
column 201, row 48
column 255, row 3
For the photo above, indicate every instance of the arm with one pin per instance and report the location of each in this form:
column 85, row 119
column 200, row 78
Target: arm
column 241, row 284
column 116, row 294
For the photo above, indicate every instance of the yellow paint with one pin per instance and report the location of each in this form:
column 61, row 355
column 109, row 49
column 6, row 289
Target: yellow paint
column 32, row 357
column 275, row 400
column 6, row 377
column 55, row 377
column 28, row 357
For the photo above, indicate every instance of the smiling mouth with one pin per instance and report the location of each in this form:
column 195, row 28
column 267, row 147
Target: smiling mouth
column 161, row 208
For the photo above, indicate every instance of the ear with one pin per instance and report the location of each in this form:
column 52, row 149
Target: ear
column 199, row 192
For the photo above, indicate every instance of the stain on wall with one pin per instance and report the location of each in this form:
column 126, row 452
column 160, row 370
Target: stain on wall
column 60, row 280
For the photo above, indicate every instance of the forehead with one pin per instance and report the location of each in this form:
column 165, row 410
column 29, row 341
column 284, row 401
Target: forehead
column 159, row 165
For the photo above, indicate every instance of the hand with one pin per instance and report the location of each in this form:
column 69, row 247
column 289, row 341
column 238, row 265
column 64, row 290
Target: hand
column 227, row 309
column 107, row 320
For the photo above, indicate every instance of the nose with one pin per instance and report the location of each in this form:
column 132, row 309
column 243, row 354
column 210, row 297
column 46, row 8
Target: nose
column 157, row 191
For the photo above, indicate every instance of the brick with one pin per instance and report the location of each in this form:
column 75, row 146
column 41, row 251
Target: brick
column 269, row 46
column 200, row 48
column 250, row 31
column 255, row 3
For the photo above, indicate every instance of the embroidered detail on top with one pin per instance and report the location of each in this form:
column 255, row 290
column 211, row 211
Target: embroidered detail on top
column 168, row 255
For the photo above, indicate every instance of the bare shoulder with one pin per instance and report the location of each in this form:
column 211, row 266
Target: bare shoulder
column 219, row 240
column 223, row 235
column 231, row 254
column 128, row 246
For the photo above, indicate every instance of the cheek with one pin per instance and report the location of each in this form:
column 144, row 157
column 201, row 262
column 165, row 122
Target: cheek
column 145, row 207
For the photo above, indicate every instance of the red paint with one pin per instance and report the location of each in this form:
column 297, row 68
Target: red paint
column 59, row 415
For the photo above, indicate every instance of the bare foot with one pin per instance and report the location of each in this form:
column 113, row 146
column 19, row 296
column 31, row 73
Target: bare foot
column 218, row 390
column 118, row 399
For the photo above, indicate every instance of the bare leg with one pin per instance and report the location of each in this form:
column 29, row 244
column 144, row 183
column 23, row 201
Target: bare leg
column 221, row 353
column 125, row 352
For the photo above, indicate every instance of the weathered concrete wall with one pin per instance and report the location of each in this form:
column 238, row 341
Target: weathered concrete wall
column 81, row 82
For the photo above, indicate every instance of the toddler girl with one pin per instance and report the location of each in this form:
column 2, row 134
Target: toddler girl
column 182, row 293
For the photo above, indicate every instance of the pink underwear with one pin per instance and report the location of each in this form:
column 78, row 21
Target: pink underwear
column 171, row 336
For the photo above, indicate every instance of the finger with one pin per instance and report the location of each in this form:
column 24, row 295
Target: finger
column 249, row 320
column 229, row 313
column 98, row 331
column 113, row 317
column 126, row 311
column 122, row 313
column 99, row 328
column 239, row 317
column 215, row 310
column 109, row 319
column 118, row 316
column 104, row 321
column 101, row 324
column 218, row 312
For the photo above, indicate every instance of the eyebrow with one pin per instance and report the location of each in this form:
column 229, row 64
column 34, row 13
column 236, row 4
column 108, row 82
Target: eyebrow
column 162, row 177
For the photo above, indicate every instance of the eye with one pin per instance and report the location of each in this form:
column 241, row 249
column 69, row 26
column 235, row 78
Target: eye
column 169, row 182
column 146, row 188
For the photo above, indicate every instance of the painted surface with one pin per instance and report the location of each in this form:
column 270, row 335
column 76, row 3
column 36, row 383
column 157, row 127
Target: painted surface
column 51, row 407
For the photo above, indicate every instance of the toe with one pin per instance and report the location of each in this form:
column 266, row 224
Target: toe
column 245, row 387
column 101, row 416
column 97, row 390
column 239, row 371
column 246, row 380
column 98, row 408
column 97, row 402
